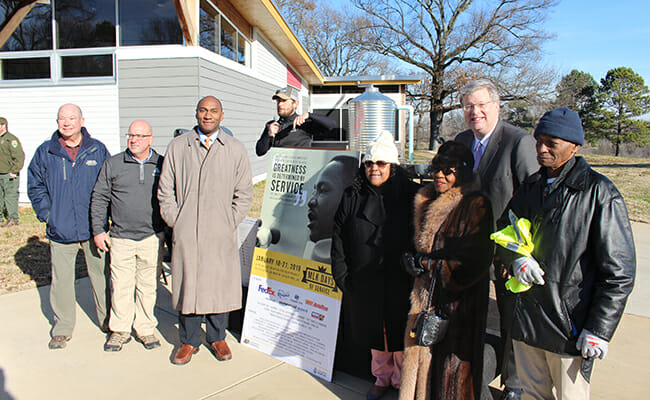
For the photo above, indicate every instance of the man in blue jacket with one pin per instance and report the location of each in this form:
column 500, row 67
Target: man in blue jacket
column 60, row 180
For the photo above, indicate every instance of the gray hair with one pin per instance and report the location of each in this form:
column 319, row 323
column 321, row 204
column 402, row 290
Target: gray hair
column 479, row 84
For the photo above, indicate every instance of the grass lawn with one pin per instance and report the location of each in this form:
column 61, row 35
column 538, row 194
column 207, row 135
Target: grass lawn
column 24, row 250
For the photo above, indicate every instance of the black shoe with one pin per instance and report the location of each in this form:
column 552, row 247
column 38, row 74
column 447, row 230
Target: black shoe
column 511, row 394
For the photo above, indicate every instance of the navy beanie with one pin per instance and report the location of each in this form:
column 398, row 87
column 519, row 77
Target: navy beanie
column 562, row 123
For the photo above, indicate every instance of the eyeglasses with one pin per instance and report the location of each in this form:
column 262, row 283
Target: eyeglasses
column 137, row 137
column 479, row 106
column 445, row 170
column 380, row 164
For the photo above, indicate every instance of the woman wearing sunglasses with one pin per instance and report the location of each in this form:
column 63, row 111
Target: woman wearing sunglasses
column 453, row 222
column 371, row 230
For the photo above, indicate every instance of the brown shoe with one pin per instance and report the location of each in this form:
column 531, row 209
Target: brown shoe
column 184, row 354
column 221, row 350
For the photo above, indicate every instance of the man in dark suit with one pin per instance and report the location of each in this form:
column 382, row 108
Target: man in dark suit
column 504, row 156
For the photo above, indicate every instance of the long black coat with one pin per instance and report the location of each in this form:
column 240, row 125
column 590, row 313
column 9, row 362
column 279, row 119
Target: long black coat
column 372, row 228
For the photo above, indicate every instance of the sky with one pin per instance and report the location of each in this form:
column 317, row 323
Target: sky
column 595, row 36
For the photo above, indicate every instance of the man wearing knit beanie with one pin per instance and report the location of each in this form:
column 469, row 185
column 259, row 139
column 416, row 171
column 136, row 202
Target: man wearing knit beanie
column 582, row 266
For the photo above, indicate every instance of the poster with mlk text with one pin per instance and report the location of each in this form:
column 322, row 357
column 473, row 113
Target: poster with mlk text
column 293, row 304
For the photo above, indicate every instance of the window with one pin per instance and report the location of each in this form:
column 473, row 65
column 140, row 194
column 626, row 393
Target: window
column 219, row 35
column 85, row 23
column 25, row 68
column 33, row 33
column 340, row 133
column 148, row 22
column 85, row 66
column 228, row 40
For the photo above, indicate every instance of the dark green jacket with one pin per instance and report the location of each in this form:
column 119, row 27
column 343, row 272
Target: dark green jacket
column 12, row 155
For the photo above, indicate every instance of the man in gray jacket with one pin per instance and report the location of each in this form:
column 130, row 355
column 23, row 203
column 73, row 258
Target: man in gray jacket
column 126, row 191
column 504, row 156
column 206, row 189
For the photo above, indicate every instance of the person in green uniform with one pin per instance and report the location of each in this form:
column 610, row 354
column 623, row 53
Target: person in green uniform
column 12, row 158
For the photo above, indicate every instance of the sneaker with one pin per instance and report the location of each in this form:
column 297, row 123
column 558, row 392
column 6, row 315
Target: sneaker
column 116, row 340
column 149, row 342
column 10, row 222
column 58, row 342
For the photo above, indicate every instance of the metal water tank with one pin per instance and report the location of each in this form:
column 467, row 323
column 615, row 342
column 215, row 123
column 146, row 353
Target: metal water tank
column 368, row 115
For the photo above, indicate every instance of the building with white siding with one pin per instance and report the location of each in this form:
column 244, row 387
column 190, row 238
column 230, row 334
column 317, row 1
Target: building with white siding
column 121, row 60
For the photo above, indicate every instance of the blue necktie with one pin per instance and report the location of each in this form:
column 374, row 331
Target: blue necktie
column 478, row 153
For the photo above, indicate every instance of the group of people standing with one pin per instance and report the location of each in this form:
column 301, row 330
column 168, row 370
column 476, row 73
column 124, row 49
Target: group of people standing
column 580, row 272
column 581, row 269
column 202, row 188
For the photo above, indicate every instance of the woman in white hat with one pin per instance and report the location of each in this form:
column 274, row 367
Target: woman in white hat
column 372, row 228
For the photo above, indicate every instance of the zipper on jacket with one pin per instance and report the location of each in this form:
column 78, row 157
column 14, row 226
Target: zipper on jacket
column 64, row 175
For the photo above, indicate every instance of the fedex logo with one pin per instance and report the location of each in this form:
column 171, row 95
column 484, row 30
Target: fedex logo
column 266, row 290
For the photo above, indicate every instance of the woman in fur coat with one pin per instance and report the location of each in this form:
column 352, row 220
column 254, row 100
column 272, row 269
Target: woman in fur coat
column 453, row 222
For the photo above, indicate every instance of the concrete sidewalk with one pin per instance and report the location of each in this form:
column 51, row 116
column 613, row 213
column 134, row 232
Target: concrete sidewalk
column 28, row 370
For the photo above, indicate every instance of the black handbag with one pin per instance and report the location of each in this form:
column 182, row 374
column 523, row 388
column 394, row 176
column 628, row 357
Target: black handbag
column 430, row 325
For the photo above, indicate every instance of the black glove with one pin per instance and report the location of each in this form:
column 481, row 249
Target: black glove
column 412, row 263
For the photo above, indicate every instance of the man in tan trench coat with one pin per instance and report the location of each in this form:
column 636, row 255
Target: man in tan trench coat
column 205, row 191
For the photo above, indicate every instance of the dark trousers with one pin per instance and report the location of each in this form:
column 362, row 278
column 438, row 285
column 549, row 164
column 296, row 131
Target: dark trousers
column 190, row 328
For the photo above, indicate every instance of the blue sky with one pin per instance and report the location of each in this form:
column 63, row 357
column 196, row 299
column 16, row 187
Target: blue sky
column 596, row 36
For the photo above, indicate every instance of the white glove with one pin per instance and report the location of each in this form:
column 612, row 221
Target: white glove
column 591, row 346
column 527, row 270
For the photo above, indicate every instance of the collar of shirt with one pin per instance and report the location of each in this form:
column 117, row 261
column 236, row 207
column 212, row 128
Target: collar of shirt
column 203, row 136
column 140, row 161
column 484, row 141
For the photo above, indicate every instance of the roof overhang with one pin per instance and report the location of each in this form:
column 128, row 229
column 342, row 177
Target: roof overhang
column 265, row 17
column 372, row 79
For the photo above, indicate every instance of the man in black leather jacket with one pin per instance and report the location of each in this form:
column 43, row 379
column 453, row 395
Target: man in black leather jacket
column 581, row 269
column 291, row 129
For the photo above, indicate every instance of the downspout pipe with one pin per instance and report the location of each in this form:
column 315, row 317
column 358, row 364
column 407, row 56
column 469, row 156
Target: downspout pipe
column 410, row 124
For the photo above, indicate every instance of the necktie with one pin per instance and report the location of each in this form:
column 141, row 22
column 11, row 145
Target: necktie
column 207, row 142
column 478, row 152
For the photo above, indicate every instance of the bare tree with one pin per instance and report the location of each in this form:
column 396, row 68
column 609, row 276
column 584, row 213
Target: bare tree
column 454, row 41
column 331, row 37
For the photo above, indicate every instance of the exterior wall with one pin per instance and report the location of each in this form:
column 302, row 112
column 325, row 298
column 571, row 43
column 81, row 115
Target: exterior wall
column 164, row 92
column 246, row 102
column 267, row 61
column 32, row 111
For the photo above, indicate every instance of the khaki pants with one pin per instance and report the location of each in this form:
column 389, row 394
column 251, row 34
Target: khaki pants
column 547, row 375
column 134, row 265
column 62, row 291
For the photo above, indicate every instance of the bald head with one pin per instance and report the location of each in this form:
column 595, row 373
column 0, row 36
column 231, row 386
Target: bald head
column 140, row 125
column 70, row 108
column 140, row 138
column 70, row 121
column 209, row 114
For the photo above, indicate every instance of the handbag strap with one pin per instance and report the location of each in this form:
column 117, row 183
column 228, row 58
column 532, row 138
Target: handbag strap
column 433, row 284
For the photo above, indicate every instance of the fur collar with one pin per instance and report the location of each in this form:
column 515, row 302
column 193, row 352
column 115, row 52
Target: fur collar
column 432, row 209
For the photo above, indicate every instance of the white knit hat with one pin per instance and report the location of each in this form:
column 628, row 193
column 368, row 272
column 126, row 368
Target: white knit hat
column 382, row 149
